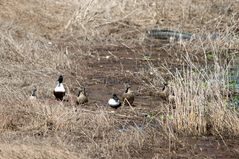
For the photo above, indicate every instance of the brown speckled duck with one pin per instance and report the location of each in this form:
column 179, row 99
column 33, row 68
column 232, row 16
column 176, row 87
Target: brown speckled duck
column 33, row 95
column 81, row 97
column 164, row 93
column 167, row 94
column 128, row 95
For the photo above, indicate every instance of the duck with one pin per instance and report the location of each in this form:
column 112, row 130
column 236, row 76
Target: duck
column 33, row 95
column 164, row 93
column 167, row 94
column 128, row 96
column 59, row 91
column 171, row 98
column 114, row 102
column 81, row 97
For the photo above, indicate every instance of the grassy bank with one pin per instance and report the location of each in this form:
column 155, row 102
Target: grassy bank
column 97, row 43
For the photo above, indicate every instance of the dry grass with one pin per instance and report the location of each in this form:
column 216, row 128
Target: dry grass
column 40, row 40
column 54, row 129
column 202, row 103
column 202, row 87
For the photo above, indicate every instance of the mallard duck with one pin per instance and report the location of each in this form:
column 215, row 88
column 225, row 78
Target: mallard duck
column 114, row 102
column 33, row 95
column 59, row 91
column 128, row 96
column 81, row 97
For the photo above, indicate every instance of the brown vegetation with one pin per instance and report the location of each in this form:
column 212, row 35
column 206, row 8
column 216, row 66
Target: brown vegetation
column 101, row 45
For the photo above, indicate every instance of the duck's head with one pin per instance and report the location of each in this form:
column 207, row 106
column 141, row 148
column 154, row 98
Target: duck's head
column 115, row 97
column 127, row 87
column 60, row 79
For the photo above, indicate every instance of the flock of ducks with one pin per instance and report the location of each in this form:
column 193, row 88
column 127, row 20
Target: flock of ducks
column 127, row 98
column 114, row 102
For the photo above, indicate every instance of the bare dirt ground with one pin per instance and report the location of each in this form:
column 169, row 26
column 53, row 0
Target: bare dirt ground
column 102, row 45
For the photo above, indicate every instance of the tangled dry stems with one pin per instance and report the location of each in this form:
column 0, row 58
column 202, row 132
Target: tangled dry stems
column 39, row 40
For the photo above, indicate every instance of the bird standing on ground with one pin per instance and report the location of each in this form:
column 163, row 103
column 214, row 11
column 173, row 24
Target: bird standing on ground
column 59, row 91
column 114, row 102
column 164, row 93
column 33, row 95
column 81, row 97
column 171, row 98
column 168, row 94
column 128, row 96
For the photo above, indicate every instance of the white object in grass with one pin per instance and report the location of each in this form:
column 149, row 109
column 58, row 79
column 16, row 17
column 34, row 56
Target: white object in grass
column 112, row 102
